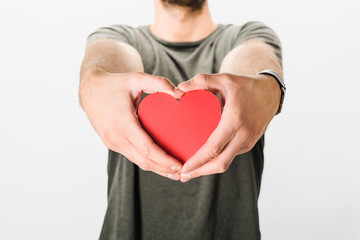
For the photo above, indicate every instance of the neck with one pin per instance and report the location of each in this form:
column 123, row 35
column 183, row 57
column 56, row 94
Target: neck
column 178, row 24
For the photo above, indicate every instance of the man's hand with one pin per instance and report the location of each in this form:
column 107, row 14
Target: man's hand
column 249, row 101
column 110, row 101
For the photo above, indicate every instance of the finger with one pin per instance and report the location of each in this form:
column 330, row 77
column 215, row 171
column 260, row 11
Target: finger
column 148, row 148
column 224, row 132
column 217, row 165
column 215, row 144
column 151, row 84
column 149, row 165
column 202, row 81
column 146, row 164
column 172, row 176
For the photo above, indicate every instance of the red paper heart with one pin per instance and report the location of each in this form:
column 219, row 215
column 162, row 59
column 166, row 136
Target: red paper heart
column 180, row 127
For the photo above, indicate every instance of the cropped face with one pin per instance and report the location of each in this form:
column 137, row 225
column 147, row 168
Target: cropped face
column 192, row 5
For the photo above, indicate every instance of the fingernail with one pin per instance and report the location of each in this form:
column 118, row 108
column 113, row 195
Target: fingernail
column 178, row 91
column 176, row 168
column 185, row 177
column 173, row 176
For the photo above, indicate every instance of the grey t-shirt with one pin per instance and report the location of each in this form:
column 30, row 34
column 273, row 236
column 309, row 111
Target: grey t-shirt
column 144, row 205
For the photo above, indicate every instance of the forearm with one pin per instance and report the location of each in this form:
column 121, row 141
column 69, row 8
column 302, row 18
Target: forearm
column 111, row 84
column 250, row 58
column 110, row 56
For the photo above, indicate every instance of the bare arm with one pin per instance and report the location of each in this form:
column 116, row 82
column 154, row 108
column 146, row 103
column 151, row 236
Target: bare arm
column 111, row 84
column 110, row 56
column 250, row 58
column 250, row 102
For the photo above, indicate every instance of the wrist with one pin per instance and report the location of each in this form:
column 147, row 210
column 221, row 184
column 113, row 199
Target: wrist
column 277, row 87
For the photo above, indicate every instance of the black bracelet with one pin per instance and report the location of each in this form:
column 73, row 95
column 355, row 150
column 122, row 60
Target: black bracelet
column 281, row 84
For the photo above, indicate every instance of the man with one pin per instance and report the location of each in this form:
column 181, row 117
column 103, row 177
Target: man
column 151, row 195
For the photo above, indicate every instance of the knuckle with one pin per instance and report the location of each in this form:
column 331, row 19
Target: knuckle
column 202, row 78
column 129, row 79
column 229, row 79
column 117, row 144
column 138, row 78
column 129, row 155
column 215, row 150
column 146, row 150
column 222, row 167
column 246, row 147
column 110, row 138
column 163, row 81
column 144, row 165
column 249, row 146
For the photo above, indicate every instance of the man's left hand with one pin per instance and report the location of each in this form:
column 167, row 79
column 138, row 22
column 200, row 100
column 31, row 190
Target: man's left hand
column 249, row 104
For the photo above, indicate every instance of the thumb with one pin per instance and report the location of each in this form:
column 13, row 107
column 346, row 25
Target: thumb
column 152, row 84
column 200, row 81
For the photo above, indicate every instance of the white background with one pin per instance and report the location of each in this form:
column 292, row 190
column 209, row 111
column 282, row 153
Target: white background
column 53, row 178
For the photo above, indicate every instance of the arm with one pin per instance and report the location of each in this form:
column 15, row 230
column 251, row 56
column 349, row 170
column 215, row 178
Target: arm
column 250, row 103
column 250, row 58
column 111, row 84
column 111, row 56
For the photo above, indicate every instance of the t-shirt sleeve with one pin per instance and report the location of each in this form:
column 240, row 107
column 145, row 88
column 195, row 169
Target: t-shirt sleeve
column 120, row 32
column 257, row 29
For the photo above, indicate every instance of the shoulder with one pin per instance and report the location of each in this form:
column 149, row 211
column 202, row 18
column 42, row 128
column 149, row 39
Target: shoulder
column 251, row 29
column 120, row 32
column 256, row 29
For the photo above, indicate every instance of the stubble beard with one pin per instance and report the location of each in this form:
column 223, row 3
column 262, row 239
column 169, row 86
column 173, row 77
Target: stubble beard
column 191, row 5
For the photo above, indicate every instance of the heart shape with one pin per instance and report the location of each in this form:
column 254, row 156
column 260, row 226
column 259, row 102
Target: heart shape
column 180, row 127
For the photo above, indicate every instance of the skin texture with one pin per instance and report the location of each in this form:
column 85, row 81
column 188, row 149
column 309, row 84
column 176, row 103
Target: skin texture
column 250, row 102
column 109, row 94
column 112, row 81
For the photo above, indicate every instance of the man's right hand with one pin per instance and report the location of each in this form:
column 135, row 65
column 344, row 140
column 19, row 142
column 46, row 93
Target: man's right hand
column 110, row 101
